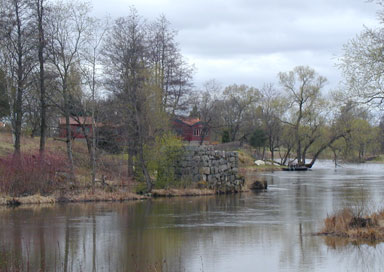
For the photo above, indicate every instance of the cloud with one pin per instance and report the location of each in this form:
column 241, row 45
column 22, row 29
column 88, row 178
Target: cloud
column 250, row 41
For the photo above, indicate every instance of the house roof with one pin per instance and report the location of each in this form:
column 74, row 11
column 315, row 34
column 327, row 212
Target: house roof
column 189, row 121
column 77, row 121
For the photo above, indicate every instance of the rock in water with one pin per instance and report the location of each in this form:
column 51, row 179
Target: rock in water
column 259, row 185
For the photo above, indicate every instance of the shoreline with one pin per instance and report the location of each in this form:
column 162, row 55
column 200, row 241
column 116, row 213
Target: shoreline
column 121, row 195
column 102, row 196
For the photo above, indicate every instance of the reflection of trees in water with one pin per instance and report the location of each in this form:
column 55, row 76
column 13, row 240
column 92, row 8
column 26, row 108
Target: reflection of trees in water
column 358, row 255
column 183, row 233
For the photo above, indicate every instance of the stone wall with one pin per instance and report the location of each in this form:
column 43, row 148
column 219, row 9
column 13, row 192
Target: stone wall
column 212, row 168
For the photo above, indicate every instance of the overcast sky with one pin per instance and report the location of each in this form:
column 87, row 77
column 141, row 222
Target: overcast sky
column 250, row 41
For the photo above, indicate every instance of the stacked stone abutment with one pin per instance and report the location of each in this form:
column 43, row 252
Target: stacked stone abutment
column 216, row 169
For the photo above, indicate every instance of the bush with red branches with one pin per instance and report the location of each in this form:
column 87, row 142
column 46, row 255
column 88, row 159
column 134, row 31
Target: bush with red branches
column 29, row 174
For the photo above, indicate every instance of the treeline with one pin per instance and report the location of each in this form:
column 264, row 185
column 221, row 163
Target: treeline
column 292, row 121
column 56, row 60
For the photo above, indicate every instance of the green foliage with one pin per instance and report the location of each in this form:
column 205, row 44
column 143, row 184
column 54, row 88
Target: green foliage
column 225, row 136
column 140, row 188
column 362, row 140
column 162, row 157
column 258, row 138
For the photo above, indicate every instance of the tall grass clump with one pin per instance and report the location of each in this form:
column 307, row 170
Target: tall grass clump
column 29, row 174
column 346, row 223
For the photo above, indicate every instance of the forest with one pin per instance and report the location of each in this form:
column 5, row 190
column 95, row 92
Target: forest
column 129, row 77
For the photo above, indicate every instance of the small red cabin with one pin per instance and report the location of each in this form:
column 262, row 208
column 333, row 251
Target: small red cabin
column 192, row 130
column 76, row 127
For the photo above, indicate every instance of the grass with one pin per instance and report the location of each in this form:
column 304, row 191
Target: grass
column 379, row 159
column 348, row 224
column 247, row 161
column 245, row 158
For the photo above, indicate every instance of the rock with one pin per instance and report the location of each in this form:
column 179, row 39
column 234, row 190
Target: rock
column 223, row 168
column 259, row 162
column 206, row 170
column 259, row 185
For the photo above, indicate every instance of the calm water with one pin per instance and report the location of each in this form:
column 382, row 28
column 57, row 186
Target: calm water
column 267, row 231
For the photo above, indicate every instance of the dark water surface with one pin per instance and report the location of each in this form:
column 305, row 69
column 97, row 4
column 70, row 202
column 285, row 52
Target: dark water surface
column 267, row 231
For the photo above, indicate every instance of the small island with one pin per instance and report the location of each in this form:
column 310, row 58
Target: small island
column 354, row 226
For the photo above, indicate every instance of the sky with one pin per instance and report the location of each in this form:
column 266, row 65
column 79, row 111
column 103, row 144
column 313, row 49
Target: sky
column 251, row 41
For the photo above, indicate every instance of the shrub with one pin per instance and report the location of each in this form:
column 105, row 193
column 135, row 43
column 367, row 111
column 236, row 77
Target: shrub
column 30, row 173
column 162, row 157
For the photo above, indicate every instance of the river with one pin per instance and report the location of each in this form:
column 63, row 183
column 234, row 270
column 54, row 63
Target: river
column 266, row 231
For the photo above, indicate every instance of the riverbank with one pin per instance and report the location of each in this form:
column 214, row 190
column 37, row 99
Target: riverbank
column 100, row 195
column 115, row 193
column 36, row 180
column 347, row 224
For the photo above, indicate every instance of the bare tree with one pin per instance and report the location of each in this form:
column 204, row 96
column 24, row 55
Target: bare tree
column 271, row 111
column 67, row 33
column 308, row 113
column 237, row 100
column 40, row 17
column 206, row 107
column 302, row 86
column 17, row 53
column 91, row 75
column 126, row 65
column 171, row 74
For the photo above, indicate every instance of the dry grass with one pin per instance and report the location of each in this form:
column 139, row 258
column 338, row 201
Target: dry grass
column 98, row 195
column 32, row 199
column 346, row 224
column 85, row 195
column 182, row 192
column 245, row 159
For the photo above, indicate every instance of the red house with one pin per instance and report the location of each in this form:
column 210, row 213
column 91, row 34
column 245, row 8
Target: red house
column 76, row 127
column 192, row 130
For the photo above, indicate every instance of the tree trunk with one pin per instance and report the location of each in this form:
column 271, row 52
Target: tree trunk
column 18, row 121
column 41, row 45
column 18, row 110
column 272, row 153
column 130, row 158
column 322, row 148
column 143, row 165
column 68, row 132
column 93, row 149
column 91, row 146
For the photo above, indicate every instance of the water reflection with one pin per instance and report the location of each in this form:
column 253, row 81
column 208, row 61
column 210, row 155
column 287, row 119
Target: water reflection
column 364, row 255
column 268, row 231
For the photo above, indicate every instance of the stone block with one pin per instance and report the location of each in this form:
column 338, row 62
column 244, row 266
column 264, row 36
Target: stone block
column 206, row 170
